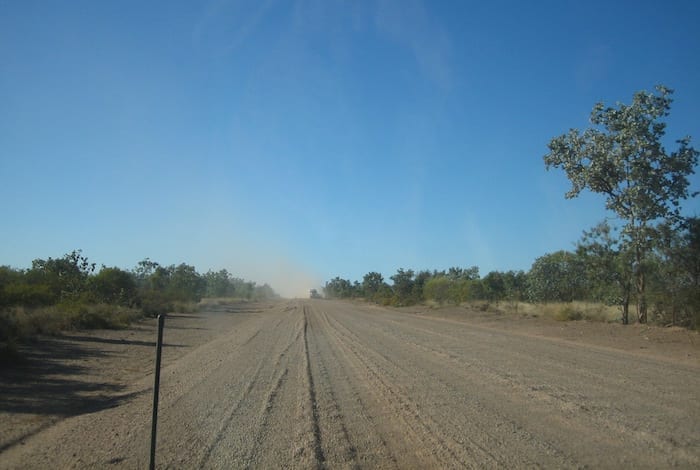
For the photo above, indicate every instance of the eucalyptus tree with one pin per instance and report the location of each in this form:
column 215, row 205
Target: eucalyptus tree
column 403, row 285
column 372, row 283
column 556, row 277
column 622, row 157
column 608, row 266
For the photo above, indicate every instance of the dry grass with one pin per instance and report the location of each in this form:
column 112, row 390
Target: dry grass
column 560, row 311
column 209, row 302
column 51, row 320
column 564, row 311
column 18, row 324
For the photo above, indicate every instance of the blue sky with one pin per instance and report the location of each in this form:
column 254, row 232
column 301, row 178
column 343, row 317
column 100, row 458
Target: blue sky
column 293, row 141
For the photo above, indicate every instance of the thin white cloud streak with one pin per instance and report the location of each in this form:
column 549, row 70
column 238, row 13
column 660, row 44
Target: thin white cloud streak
column 594, row 66
column 409, row 24
column 224, row 27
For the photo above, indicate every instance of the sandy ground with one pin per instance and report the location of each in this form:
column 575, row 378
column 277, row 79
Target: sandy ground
column 323, row 384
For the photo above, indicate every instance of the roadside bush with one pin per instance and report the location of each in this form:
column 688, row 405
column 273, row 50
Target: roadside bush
column 573, row 311
column 114, row 286
column 438, row 289
column 19, row 323
column 28, row 295
column 443, row 290
column 153, row 303
column 185, row 307
column 568, row 313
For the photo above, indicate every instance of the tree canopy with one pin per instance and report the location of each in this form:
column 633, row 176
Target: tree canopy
column 623, row 157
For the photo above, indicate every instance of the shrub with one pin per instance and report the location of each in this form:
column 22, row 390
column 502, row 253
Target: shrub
column 154, row 303
column 568, row 313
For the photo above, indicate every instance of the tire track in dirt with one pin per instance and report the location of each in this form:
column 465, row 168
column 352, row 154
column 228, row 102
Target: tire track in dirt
column 424, row 426
column 309, row 440
column 323, row 384
column 223, row 429
column 485, row 406
column 347, row 415
column 339, row 452
column 223, row 432
column 488, row 443
column 264, row 441
column 574, row 408
column 264, row 417
column 443, row 451
column 555, row 363
column 503, row 394
column 206, row 425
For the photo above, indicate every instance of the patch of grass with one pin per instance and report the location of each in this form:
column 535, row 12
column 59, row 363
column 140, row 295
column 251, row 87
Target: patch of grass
column 573, row 311
column 19, row 324
column 209, row 302
column 561, row 311
column 185, row 307
column 99, row 316
column 479, row 306
column 568, row 313
column 153, row 303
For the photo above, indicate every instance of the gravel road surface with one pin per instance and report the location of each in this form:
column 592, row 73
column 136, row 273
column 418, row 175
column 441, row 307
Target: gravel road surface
column 324, row 384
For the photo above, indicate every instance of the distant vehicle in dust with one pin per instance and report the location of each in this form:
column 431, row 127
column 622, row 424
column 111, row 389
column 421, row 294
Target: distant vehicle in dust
column 313, row 294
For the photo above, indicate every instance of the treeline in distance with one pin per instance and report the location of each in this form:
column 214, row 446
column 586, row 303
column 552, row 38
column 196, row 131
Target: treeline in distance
column 650, row 260
column 69, row 292
column 595, row 272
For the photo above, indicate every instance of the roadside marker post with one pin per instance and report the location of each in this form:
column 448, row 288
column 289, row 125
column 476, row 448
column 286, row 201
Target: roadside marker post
column 156, row 388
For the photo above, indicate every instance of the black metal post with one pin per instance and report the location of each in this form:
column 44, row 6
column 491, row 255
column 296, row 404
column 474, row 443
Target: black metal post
column 156, row 388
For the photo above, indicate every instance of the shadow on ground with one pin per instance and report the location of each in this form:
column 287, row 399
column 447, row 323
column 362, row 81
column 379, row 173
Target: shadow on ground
column 130, row 342
column 49, row 381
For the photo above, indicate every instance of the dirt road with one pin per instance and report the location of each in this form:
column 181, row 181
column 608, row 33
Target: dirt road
column 322, row 384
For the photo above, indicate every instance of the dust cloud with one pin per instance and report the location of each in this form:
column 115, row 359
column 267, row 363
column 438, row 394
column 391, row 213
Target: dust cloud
column 289, row 279
column 291, row 283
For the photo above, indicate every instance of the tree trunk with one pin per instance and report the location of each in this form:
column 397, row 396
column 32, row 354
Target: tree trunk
column 641, row 297
column 640, row 283
column 626, row 310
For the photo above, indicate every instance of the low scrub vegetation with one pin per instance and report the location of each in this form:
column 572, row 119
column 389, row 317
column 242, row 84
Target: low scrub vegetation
column 595, row 282
column 650, row 259
column 68, row 293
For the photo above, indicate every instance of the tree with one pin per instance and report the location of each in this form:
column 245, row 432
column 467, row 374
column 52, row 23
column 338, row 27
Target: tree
column 66, row 277
column 622, row 157
column 185, row 283
column 494, row 286
column 677, row 283
column 515, row 285
column 218, row 284
column 469, row 274
column 556, row 277
column 150, row 275
column 338, row 288
column 242, row 288
column 372, row 283
column 419, row 285
column 403, row 285
column 608, row 266
column 114, row 286
column 438, row 289
column 264, row 292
